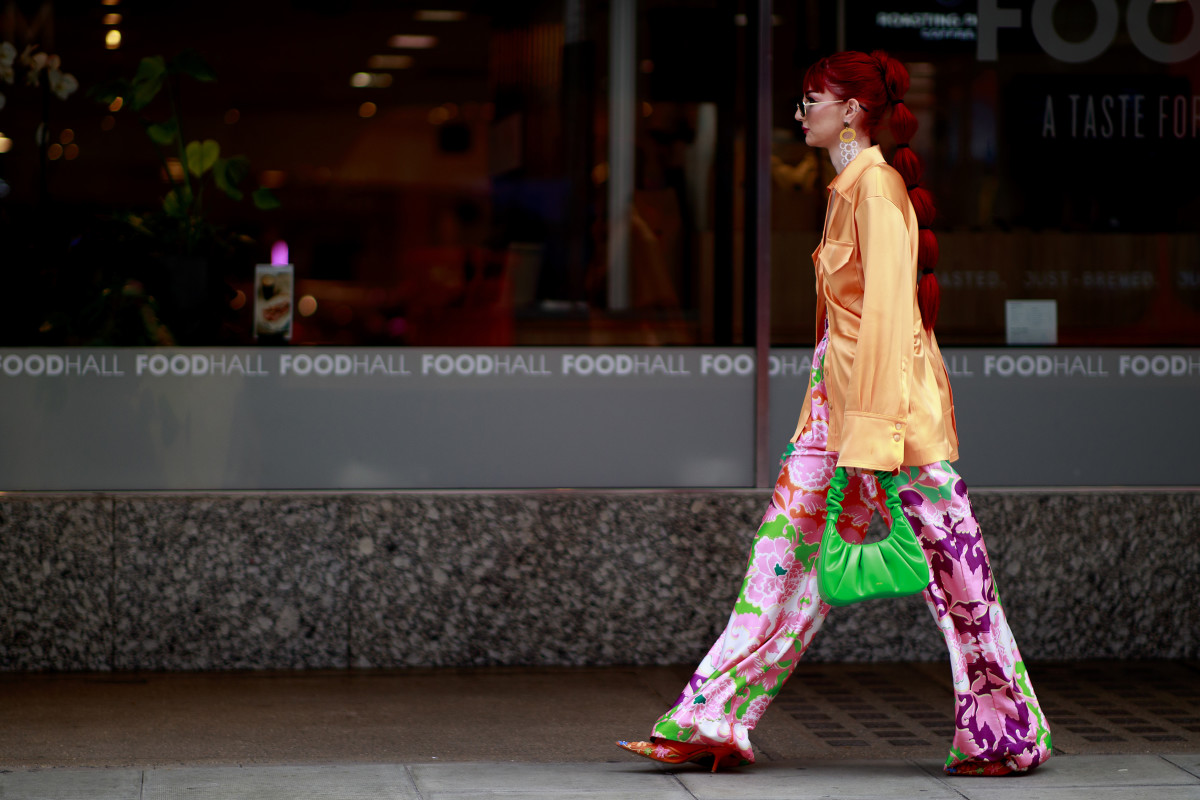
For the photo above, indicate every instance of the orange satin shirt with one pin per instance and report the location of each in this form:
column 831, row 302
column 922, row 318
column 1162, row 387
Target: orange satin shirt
column 890, row 403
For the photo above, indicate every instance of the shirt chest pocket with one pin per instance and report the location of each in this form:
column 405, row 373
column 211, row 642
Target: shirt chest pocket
column 840, row 273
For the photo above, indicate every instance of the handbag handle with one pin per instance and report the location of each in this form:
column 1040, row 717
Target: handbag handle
column 837, row 492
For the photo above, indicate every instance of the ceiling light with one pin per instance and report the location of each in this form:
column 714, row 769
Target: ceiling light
column 112, row 19
column 373, row 80
column 112, row 39
column 433, row 15
column 390, row 62
column 409, row 42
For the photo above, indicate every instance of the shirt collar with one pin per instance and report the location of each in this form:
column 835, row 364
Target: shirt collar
column 843, row 184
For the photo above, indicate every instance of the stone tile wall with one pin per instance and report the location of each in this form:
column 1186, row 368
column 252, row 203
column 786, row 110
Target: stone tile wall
column 294, row 581
column 56, row 583
column 229, row 582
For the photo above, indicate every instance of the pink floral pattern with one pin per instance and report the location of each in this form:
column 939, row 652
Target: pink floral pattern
column 771, row 573
column 754, row 710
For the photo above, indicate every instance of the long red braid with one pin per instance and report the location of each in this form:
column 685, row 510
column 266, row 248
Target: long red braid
column 879, row 82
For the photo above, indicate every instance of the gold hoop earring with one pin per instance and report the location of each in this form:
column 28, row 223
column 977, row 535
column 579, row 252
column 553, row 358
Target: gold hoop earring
column 849, row 146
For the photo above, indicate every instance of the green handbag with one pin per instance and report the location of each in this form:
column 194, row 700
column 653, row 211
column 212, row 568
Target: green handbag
column 893, row 567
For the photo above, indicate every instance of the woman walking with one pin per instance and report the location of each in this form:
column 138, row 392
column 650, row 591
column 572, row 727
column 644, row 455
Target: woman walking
column 879, row 399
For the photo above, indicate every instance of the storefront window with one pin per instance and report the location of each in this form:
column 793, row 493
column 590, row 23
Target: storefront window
column 481, row 174
column 572, row 172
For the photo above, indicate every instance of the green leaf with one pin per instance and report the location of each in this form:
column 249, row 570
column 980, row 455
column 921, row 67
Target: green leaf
column 110, row 90
column 202, row 155
column 265, row 199
column 150, row 68
column 148, row 81
column 229, row 172
column 191, row 64
column 138, row 224
column 178, row 202
column 163, row 133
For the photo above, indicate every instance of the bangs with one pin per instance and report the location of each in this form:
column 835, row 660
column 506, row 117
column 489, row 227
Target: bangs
column 816, row 79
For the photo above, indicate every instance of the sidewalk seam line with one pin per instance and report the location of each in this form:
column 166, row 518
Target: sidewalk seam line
column 412, row 779
column 681, row 785
column 1185, row 771
column 1180, row 767
column 941, row 780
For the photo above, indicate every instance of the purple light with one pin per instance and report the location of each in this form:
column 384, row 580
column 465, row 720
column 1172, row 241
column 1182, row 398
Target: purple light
column 279, row 252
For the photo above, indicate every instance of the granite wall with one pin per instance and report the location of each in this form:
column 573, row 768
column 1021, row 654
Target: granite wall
column 301, row 581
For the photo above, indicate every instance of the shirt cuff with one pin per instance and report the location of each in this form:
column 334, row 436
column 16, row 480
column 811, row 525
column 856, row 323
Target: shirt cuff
column 869, row 441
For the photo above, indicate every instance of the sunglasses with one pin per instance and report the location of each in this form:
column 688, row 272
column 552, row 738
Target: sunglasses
column 804, row 104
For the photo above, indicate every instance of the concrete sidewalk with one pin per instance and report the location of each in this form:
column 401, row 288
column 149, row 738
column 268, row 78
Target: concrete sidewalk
column 1062, row 778
column 1121, row 730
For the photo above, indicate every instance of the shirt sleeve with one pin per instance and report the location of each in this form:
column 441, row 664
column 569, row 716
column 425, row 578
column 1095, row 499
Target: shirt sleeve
column 876, row 410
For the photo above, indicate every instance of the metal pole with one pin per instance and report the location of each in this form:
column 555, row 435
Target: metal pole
column 579, row 113
column 622, row 101
column 758, row 226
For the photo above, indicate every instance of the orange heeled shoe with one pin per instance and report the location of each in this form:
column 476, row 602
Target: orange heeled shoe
column 671, row 752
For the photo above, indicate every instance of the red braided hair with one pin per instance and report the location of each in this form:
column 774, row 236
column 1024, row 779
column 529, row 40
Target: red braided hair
column 879, row 82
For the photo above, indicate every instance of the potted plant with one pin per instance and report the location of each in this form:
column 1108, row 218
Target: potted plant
column 190, row 291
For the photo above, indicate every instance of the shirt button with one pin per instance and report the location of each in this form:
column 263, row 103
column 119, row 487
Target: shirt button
column 899, row 426
column 896, row 436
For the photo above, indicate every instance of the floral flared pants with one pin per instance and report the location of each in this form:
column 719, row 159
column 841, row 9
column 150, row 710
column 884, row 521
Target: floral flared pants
column 998, row 723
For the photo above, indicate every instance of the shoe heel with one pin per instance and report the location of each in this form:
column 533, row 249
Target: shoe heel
column 724, row 756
